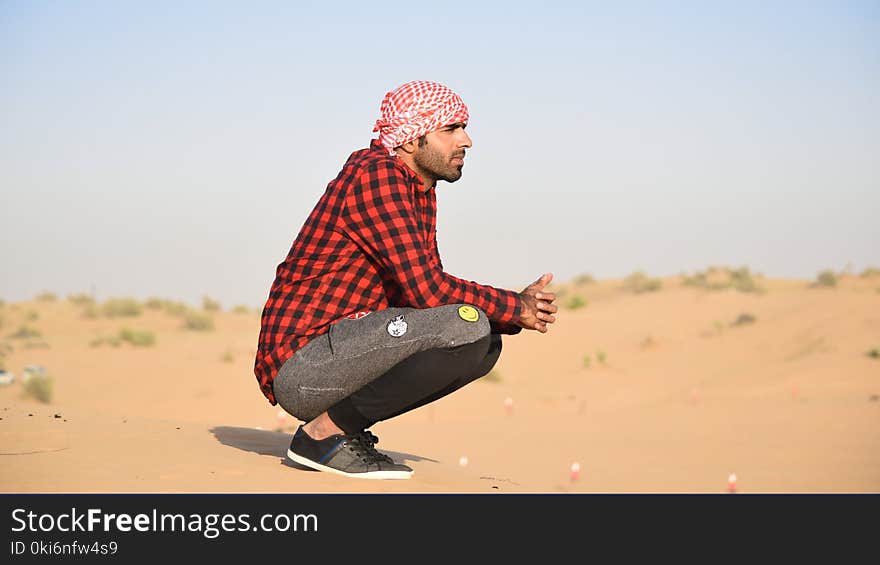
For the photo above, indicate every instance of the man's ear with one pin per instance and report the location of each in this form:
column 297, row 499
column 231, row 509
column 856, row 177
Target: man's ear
column 409, row 147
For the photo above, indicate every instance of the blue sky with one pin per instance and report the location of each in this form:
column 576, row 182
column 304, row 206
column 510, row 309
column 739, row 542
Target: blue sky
column 174, row 149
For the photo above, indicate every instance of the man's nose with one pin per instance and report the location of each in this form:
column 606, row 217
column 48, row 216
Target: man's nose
column 464, row 139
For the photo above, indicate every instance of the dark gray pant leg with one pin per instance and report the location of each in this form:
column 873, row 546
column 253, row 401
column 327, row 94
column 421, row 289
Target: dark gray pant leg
column 424, row 378
column 353, row 353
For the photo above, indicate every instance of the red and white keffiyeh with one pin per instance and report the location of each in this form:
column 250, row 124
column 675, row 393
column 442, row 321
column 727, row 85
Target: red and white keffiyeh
column 416, row 108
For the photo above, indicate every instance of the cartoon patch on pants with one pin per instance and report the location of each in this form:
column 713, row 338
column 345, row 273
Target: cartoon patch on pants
column 397, row 326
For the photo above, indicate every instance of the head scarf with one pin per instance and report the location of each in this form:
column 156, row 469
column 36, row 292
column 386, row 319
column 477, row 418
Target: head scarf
column 416, row 108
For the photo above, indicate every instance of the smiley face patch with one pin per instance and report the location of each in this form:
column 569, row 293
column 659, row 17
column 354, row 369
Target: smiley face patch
column 468, row 313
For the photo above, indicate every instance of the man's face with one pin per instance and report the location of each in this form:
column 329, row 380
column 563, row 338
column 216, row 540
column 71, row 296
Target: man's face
column 442, row 154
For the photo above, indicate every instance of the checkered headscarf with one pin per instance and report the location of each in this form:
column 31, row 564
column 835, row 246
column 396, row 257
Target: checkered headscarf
column 416, row 108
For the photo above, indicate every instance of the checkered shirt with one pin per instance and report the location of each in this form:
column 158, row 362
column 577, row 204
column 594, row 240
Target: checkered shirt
column 370, row 243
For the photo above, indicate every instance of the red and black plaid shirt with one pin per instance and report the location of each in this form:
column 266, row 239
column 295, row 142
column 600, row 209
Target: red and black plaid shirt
column 370, row 243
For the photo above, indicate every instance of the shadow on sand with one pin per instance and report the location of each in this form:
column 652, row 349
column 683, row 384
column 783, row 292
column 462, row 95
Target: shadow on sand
column 275, row 444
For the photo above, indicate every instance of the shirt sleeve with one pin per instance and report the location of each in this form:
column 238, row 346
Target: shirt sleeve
column 379, row 214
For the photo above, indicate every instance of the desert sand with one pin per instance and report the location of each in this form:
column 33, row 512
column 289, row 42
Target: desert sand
column 676, row 398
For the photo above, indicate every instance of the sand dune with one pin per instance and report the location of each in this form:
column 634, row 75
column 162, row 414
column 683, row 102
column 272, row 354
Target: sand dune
column 683, row 398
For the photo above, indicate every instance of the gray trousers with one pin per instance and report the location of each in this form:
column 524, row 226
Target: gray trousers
column 373, row 368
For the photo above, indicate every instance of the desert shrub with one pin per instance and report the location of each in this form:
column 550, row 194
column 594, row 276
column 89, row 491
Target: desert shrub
column 227, row 357
column 26, row 332
column 741, row 279
column 90, row 312
column 874, row 353
column 210, row 305
column 31, row 315
column 38, row 388
column 138, row 338
column 723, row 278
column 241, row 309
column 112, row 341
column 80, row 299
column 601, row 357
column 744, row 319
column 154, row 303
column 587, row 361
column 584, row 278
column 639, row 282
column 698, row 279
column 121, row 307
column 175, row 308
column 46, row 297
column 870, row 272
column 826, row 278
column 575, row 301
column 198, row 321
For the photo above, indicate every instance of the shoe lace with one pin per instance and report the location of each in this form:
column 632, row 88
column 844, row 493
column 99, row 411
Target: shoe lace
column 363, row 443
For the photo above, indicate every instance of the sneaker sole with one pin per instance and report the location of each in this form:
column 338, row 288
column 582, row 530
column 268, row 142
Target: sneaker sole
column 366, row 475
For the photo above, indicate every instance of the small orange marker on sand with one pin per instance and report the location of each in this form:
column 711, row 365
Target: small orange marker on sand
column 731, row 483
column 575, row 472
column 694, row 395
column 508, row 405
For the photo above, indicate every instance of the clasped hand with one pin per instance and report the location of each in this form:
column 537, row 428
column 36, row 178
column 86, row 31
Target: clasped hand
column 537, row 305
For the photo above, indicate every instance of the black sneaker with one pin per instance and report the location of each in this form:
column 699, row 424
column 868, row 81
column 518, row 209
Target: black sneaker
column 348, row 455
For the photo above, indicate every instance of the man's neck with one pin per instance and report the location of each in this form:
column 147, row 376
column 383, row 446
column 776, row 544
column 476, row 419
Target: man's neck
column 428, row 181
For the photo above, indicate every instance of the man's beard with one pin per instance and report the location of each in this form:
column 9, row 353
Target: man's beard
column 437, row 165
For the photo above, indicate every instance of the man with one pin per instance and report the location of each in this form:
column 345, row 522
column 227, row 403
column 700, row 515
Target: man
column 362, row 324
